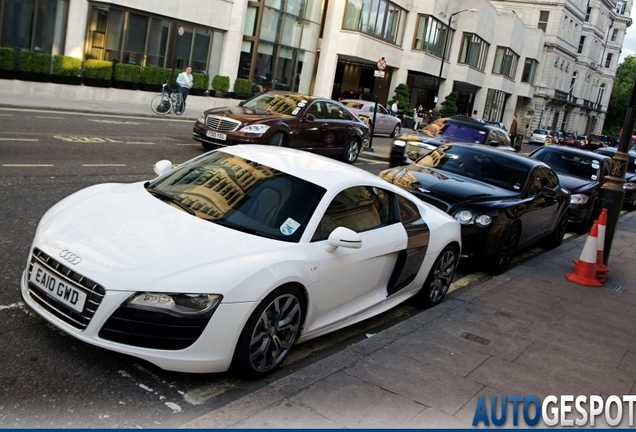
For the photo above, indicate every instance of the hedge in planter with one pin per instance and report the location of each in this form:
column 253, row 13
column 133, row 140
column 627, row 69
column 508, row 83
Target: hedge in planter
column 242, row 88
column 201, row 82
column 98, row 73
column 153, row 77
column 127, row 75
column 221, row 84
column 7, row 62
column 35, row 66
column 67, row 70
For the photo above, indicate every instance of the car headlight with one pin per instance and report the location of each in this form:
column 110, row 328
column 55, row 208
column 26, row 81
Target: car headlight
column 629, row 186
column 465, row 217
column 399, row 143
column 175, row 304
column 255, row 129
column 579, row 199
column 201, row 118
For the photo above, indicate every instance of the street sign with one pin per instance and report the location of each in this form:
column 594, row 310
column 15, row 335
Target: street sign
column 381, row 64
column 378, row 73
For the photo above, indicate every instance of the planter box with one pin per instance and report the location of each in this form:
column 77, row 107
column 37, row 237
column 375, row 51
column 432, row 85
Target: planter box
column 155, row 88
column 198, row 92
column 125, row 85
column 7, row 74
column 69, row 80
column 221, row 94
column 34, row 76
column 95, row 82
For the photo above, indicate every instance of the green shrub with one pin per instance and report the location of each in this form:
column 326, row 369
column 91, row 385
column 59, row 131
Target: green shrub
column 125, row 72
column 35, row 62
column 221, row 83
column 201, row 81
column 98, row 69
column 67, row 66
column 449, row 106
column 7, row 58
column 154, row 75
column 243, row 86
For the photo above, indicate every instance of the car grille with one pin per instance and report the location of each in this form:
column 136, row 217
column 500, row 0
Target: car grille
column 154, row 330
column 59, row 310
column 222, row 124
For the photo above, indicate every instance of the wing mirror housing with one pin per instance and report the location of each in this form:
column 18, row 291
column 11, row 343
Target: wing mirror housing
column 343, row 237
column 162, row 167
column 310, row 117
column 547, row 192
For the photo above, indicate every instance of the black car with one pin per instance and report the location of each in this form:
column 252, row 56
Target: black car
column 630, row 176
column 407, row 147
column 596, row 141
column 501, row 199
column 582, row 173
column 318, row 125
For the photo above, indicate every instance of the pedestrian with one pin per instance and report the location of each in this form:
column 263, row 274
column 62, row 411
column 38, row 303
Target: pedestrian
column 435, row 114
column 420, row 115
column 512, row 133
column 394, row 109
column 185, row 80
column 415, row 119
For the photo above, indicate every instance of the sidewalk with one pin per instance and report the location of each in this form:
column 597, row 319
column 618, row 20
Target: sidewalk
column 526, row 332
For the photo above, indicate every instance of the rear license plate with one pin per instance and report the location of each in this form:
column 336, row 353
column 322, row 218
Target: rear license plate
column 58, row 288
column 216, row 135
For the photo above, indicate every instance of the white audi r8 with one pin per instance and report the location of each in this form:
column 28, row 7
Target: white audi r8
column 232, row 257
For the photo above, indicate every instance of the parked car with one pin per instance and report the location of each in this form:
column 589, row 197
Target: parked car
column 500, row 125
column 502, row 200
column 571, row 140
column 385, row 123
column 284, row 119
column 595, row 141
column 406, row 148
column 539, row 136
column 558, row 137
column 232, row 257
column 582, row 173
column 582, row 139
column 630, row 176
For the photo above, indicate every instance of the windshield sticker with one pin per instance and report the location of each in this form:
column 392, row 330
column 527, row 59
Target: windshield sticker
column 302, row 103
column 289, row 226
column 594, row 177
column 517, row 186
column 295, row 111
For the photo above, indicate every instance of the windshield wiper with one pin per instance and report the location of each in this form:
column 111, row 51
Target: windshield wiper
column 242, row 228
column 166, row 197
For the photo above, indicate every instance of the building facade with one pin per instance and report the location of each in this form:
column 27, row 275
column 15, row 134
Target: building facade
column 550, row 62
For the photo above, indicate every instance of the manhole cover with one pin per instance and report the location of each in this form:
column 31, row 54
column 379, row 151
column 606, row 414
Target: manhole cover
column 474, row 338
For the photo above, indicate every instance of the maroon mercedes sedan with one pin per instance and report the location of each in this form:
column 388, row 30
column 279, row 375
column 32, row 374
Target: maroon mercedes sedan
column 314, row 124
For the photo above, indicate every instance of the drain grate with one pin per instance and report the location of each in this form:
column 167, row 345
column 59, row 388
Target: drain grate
column 617, row 288
column 474, row 338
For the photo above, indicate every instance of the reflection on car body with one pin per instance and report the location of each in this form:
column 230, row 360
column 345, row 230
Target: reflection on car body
column 502, row 200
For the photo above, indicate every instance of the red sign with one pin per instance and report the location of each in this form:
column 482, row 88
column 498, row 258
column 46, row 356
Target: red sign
column 381, row 64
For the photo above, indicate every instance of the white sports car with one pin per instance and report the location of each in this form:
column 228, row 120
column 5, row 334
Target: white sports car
column 232, row 257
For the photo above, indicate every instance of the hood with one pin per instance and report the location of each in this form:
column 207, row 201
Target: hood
column 576, row 184
column 443, row 189
column 245, row 114
column 129, row 239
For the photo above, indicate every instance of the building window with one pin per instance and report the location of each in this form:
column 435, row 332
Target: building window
column 377, row 18
column 587, row 14
column 601, row 93
column 505, row 62
column 432, row 35
column 473, row 51
column 529, row 69
column 581, row 44
column 614, row 35
column 620, row 7
column 494, row 106
column 608, row 60
column 37, row 25
column 572, row 82
column 543, row 20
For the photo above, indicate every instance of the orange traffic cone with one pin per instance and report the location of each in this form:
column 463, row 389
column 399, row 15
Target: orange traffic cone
column 601, row 269
column 584, row 272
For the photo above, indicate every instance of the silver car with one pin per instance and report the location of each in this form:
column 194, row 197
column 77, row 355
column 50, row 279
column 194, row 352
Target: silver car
column 385, row 123
column 539, row 136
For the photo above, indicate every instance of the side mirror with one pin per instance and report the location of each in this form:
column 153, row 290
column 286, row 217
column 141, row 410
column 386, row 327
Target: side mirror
column 547, row 192
column 310, row 117
column 162, row 167
column 343, row 237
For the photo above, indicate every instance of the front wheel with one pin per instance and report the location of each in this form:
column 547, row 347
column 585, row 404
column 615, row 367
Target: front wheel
column 160, row 104
column 500, row 261
column 351, row 151
column 270, row 333
column 440, row 277
column 278, row 139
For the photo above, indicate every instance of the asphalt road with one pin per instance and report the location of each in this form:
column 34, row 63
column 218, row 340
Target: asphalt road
column 48, row 379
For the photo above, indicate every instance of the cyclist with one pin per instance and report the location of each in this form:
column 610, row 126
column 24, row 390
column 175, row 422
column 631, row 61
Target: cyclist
column 185, row 80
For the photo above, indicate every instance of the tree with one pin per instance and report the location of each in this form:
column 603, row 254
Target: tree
column 621, row 94
column 449, row 106
column 402, row 97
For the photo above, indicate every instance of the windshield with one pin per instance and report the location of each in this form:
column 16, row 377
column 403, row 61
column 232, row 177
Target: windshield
column 280, row 103
column 494, row 169
column 242, row 195
column 352, row 105
column 572, row 164
column 463, row 132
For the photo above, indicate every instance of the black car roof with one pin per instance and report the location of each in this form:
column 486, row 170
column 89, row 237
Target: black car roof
column 570, row 150
column 519, row 158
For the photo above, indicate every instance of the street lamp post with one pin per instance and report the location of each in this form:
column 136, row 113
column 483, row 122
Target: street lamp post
column 446, row 41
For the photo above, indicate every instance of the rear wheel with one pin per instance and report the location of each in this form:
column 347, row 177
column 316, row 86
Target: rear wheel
column 556, row 238
column 351, row 151
column 160, row 104
column 440, row 277
column 502, row 257
column 396, row 130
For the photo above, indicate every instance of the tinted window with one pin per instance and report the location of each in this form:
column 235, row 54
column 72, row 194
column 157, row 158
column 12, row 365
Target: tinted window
column 578, row 165
column 463, row 132
column 337, row 112
column 279, row 103
column 317, row 109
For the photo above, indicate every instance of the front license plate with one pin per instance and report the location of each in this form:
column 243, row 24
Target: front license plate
column 58, row 288
column 216, row 135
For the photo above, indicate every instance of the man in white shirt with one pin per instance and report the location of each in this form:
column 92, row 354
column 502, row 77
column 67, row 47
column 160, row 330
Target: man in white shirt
column 394, row 109
column 185, row 81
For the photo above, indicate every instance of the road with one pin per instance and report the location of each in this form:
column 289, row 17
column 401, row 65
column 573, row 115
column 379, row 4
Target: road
column 48, row 379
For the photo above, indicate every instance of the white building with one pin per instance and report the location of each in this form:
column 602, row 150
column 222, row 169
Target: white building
column 551, row 62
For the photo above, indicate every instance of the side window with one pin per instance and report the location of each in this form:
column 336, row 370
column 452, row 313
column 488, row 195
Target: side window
column 317, row 109
column 542, row 177
column 382, row 110
column 359, row 208
column 408, row 211
column 336, row 112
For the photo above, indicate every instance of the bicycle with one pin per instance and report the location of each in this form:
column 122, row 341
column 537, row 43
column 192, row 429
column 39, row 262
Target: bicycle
column 169, row 100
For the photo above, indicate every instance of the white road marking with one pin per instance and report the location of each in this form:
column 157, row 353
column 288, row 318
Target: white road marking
column 139, row 142
column 103, row 165
column 27, row 165
column 12, row 306
column 46, row 117
column 173, row 406
column 372, row 161
column 19, row 139
column 185, row 144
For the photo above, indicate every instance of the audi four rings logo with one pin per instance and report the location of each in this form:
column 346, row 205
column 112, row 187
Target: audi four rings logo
column 70, row 257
